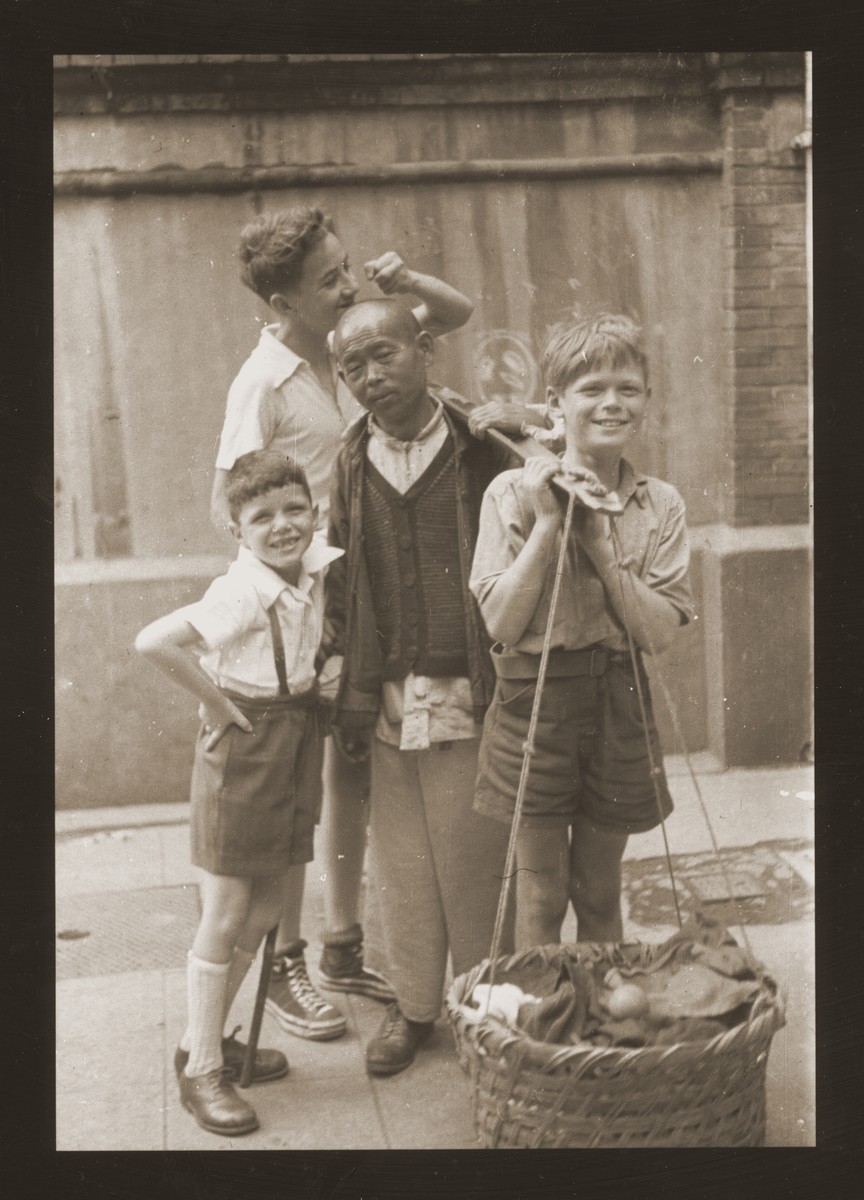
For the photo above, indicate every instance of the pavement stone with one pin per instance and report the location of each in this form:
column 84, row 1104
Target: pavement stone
column 327, row 1101
column 111, row 1090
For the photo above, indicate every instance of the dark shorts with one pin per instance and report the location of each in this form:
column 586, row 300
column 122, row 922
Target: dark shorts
column 590, row 754
column 256, row 797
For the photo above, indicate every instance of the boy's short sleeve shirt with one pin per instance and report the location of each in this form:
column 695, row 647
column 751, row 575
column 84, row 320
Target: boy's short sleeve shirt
column 277, row 403
column 651, row 529
column 233, row 622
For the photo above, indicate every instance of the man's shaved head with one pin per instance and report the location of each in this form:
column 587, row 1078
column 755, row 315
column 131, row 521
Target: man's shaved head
column 388, row 315
column 382, row 354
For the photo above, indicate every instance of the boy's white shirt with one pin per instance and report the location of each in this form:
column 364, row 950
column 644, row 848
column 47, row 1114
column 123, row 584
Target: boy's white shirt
column 276, row 402
column 651, row 529
column 232, row 620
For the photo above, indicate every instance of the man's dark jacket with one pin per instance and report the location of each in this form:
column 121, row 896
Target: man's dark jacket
column 350, row 611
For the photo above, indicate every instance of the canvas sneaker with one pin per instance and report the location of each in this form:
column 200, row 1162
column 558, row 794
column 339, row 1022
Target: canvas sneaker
column 295, row 1002
column 342, row 969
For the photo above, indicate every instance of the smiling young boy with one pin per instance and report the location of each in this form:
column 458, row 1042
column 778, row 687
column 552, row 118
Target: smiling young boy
column 247, row 650
column 415, row 670
column 590, row 782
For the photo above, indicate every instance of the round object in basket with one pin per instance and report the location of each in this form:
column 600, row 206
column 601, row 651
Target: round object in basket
column 533, row 1094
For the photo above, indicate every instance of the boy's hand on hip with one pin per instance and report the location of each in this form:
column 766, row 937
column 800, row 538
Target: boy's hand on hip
column 537, row 476
column 218, row 721
column 389, row 273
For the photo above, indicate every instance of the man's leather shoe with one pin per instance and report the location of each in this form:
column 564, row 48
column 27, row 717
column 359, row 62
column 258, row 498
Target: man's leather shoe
column 396, row 1043
column 215, row 1105
column 269, row 1064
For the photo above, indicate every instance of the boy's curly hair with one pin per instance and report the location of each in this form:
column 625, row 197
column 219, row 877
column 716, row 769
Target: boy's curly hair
column 274, row 246
column 581, row 344
column 257, row 472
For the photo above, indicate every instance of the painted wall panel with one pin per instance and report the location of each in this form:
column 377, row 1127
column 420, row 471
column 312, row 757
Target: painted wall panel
column 162, row 323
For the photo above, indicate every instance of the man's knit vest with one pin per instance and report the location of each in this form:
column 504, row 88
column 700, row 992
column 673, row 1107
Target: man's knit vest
column 412, row 556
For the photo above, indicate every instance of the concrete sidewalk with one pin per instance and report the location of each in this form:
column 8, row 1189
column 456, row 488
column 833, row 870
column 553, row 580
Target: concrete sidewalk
column 127, row 911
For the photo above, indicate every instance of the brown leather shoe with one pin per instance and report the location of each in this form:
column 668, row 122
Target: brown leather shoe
column 394, row 1047
column 215, row 1105
column 269, row 1064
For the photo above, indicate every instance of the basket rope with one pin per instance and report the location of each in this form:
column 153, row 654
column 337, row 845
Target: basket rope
column 655, row 771
column 643, row 712
column 528, row 746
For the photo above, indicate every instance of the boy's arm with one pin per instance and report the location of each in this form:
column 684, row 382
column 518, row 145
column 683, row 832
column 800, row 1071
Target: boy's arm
column 335, row 584
column 250, row 424
column 652, row 616
column 333, row 640
column 171, row 644
column 443, row 308
column 220, row 514
column 508, row 600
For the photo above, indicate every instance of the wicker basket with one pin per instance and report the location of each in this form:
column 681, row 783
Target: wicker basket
column 532, row 1094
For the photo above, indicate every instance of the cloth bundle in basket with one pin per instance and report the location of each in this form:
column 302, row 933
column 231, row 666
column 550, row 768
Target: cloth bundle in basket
column 530, row 1093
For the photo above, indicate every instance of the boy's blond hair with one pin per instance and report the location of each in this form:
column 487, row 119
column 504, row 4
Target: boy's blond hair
column 581, row 344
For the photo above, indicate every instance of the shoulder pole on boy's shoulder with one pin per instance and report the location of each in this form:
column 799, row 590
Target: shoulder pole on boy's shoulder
column 528, row 447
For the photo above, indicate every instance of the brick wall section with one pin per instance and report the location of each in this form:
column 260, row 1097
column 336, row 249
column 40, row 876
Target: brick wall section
column 765, row 295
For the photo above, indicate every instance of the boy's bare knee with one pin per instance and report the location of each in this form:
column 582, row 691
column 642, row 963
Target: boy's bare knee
column 268, row 903
column 543, row 900
column 596, row 904
column 229, row 924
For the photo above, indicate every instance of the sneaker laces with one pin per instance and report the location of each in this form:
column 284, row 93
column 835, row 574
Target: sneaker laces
column 302, row 986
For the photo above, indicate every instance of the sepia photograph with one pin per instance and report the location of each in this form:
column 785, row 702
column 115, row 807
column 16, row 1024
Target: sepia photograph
column 433, row 540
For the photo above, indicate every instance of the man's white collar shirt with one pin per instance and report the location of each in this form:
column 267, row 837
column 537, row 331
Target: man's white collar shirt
column 402, row 463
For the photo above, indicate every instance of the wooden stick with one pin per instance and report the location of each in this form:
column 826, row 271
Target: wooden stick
column 258, row 1010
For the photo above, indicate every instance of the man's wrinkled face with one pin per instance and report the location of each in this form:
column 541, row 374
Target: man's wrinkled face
column 384, row 365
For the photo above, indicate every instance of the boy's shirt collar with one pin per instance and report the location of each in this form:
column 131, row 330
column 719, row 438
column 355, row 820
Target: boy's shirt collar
column 632, row 482
column 269, row 585
column 280, row 358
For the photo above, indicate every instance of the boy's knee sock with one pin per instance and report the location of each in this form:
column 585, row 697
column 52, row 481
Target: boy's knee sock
column 206, row 984
column 241, row 961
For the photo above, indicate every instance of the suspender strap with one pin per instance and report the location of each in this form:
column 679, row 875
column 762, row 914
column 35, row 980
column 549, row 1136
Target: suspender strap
column 278, row 650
